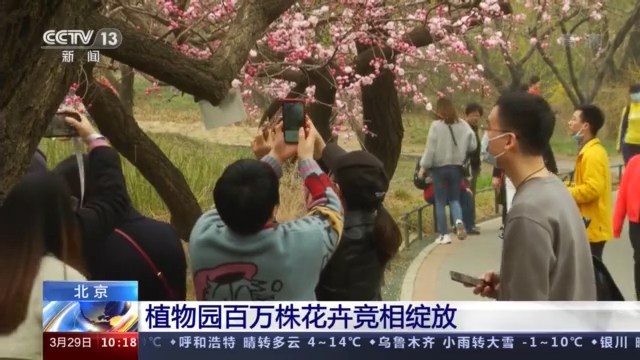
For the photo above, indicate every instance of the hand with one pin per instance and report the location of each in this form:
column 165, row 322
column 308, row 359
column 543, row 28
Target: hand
column 307, row 143
column 281, row 151
column 319, row 144
column 490, row 287
column 83, row 127
column 262, row 143
column 469, row 191
column 421, row 172
column 495, row 182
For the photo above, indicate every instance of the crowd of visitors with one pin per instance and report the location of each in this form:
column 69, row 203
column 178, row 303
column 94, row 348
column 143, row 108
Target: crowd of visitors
column 550, row 226
column 77, row 222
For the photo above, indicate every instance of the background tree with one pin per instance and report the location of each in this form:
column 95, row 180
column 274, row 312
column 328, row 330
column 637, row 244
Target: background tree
column 570, row 43
column 602, row 41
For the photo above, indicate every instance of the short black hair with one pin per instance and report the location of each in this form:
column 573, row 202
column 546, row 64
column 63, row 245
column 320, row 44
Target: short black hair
column 634, row 88
column 474, row 107
column 592, row 115
column 245, row 195
column 534, row 79
column 530, row 117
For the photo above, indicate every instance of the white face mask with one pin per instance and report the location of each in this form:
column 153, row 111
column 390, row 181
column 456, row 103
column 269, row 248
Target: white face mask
column 484, row 149
column 635, row 97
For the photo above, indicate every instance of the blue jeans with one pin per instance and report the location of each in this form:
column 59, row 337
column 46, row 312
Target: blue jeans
column 466, row 202
column 628, row 151
column 442, row 176
column 468, row 210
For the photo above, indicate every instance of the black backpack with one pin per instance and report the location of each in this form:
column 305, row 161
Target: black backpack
column 419, row 182
column 606, row 288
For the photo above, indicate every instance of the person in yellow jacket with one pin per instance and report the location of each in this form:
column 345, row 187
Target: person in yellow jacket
column 629, row 131
column 591, row 185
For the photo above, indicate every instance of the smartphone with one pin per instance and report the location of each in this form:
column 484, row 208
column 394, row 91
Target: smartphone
column 465, row 279
column 292, row 119
column 58, row 127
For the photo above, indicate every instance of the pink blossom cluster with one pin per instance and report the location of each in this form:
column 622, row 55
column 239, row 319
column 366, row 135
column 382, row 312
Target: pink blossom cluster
column 326, row 34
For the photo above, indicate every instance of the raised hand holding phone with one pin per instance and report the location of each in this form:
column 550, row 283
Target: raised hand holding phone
column 262, row 143
column 307, row 143
column 80, row 123
column 281, row 150
column 319, row 142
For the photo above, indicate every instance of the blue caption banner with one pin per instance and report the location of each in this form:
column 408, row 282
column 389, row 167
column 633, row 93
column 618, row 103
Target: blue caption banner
column 90, row 290
column 370, row 346
column 290, row 316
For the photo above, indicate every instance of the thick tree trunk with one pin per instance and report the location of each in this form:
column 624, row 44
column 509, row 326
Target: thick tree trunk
column 34, row 82
column 122, row 130
column 382, row 115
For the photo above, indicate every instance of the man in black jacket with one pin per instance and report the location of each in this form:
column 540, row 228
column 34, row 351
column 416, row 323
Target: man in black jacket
column 473, row 113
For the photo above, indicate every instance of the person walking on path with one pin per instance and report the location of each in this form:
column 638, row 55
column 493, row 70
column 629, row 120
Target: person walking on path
column 591, row 185
column 628, row 205
column 473, row 113
column 629, row 132
column 545, row 256
column 448, row 143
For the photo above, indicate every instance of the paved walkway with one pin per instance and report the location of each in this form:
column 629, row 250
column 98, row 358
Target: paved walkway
column 428, row 276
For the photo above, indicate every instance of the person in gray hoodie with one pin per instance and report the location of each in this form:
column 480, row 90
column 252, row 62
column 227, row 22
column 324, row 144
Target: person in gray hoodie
column 449, row 141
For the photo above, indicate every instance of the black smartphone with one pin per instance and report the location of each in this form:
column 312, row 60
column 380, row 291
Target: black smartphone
column 292, row 119
column 58, row 127
column 465, row 279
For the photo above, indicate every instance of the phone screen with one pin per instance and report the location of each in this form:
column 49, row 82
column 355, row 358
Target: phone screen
column 292, row 120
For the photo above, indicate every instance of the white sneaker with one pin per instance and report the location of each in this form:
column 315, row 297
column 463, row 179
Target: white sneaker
column 460, row 231
column 443, row 239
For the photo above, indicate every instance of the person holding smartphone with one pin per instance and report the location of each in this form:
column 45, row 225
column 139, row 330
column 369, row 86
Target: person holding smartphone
column 545, row 252
column 238, row 249
column 44, row 238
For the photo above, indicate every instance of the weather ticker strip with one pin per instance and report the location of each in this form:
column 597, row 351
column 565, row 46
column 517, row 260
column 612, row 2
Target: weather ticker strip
column 383, row 346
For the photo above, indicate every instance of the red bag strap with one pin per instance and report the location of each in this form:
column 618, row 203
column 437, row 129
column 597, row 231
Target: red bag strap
column 149, row 262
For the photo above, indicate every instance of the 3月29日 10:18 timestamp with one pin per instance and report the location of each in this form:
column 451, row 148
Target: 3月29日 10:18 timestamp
column 93, row 346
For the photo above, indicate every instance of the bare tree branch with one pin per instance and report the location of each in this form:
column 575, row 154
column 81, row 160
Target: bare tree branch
column 566, row 44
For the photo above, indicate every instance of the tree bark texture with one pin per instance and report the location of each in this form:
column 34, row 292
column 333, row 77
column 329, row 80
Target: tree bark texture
column 383, row 117
column 34, row 81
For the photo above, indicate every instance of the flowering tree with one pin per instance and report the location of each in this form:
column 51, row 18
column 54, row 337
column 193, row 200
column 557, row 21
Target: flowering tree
column 585, row 40
column 348, row 58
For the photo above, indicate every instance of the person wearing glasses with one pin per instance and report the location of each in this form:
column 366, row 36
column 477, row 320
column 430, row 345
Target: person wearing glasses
column 545, row 252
